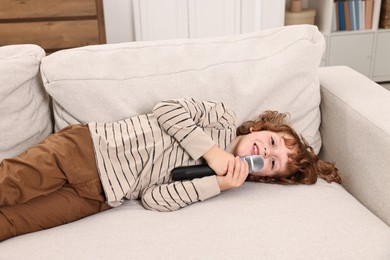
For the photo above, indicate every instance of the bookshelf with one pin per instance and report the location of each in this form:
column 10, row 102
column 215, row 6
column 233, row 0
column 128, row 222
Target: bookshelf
column 366, row 50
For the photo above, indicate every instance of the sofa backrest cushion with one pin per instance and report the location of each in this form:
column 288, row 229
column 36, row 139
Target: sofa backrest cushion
column 272, row 69
column 24, row 104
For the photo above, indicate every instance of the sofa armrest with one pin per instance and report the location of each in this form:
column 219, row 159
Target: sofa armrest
column 355, row 128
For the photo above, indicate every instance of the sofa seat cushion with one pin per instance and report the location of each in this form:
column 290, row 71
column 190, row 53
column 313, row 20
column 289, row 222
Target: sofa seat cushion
column 255, row 221
column 273, row 69
column 24, row 105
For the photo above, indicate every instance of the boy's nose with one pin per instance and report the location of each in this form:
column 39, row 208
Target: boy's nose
column 269, row 152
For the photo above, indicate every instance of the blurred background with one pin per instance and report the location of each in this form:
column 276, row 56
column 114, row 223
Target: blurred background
column 357, row 32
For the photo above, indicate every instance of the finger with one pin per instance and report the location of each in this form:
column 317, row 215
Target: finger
column 236, row 166
column 230, row 169
column 245, row 167
column 245, row 171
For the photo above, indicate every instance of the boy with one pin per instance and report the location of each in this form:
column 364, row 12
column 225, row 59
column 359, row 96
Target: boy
column 85, row 169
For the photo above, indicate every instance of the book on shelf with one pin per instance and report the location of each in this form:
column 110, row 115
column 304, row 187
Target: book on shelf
column 384, row 21
column 352, row 15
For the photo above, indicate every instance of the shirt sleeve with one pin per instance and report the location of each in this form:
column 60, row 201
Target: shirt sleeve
column 187, row 119
column 179, row 194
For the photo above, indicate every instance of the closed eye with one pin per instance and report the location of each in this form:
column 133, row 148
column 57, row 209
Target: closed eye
column 272, row 141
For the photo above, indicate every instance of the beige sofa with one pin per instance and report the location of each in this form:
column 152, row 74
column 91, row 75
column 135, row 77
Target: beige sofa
column 344, row 116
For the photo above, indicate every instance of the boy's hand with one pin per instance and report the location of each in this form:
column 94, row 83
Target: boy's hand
column 218, row 160
column 236, row 175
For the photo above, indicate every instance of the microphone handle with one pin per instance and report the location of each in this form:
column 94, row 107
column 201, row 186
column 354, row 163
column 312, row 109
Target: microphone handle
column 191, row 172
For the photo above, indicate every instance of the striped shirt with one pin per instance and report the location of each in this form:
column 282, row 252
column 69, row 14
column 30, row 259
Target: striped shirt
column 135, row 156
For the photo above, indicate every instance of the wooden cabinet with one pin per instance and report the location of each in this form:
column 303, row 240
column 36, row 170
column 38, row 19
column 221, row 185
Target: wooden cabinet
column 52, row 24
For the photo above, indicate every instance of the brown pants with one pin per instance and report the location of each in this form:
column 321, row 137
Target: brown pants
column 53, row 183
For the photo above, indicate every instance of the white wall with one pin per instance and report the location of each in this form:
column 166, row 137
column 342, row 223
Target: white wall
column 118, row 18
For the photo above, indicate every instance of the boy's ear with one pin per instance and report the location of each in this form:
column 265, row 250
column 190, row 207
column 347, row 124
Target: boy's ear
column 251, row 129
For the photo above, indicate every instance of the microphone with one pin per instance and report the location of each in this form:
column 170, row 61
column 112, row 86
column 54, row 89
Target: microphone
column 255, row 163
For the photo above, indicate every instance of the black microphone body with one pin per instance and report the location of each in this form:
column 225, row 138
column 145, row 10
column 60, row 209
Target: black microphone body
column 192, row 172
column 255, row 162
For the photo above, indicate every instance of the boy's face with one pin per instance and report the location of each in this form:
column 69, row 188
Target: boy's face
column 271, row 147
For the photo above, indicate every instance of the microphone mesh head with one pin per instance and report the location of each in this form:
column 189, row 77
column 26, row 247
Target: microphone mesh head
column 255, row 162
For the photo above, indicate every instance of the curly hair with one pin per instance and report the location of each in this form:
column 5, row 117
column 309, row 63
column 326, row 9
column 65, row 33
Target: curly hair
column 304, row 167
